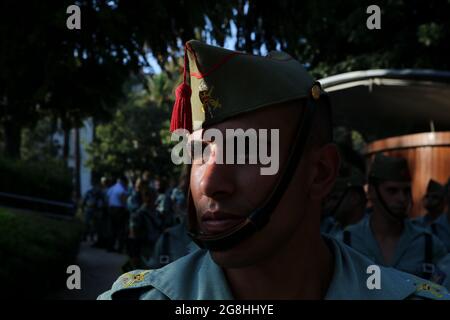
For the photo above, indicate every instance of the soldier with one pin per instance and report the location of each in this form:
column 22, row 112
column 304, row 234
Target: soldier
column 387, row 236
column 92, row 206
column 134, row 201
column 173, row 244
column 260, row 234
column 434, row 203
column 144, row 229
column 346, row 202
column 441, row 226
column 104, row 223
column 118, row 215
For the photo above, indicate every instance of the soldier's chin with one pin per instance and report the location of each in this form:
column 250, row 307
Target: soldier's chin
column 400, row 213
column 242, row 255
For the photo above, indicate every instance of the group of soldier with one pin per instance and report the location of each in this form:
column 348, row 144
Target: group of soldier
column 376, row 221
column 258, row 237
column 141, row 217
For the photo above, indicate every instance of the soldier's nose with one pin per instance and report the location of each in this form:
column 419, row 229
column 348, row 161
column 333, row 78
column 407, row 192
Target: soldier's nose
column 217, row 181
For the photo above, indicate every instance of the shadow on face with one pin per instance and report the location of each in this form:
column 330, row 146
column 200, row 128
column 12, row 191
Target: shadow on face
column 237, row 189
column 396, row 195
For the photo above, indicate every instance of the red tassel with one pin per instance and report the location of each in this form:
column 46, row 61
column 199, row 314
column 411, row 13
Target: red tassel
column 182, row 113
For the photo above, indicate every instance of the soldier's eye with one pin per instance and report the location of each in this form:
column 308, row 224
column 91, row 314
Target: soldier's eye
column 196, row 150
column 392, row 190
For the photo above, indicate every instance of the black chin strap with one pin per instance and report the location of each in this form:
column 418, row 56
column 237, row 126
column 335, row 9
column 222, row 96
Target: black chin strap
column 260, row 216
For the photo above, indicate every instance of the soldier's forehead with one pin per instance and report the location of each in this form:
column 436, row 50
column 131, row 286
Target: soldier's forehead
column 399, row 184
column 283, row 116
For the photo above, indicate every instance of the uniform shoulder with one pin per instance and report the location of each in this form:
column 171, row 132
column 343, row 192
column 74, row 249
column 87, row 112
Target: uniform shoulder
column 176, row 280
column 357, row 230
column 351, row 276
column 129, row 286
column 426, row 290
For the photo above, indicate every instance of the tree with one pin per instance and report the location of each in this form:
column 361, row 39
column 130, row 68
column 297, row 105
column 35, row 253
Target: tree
column 79, row 73
column 137, row 137
column 331, row 37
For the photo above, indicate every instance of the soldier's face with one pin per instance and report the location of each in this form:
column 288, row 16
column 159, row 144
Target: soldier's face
column 397, row 197
column 225, row 194
column 332, row 201
column 352, row 208
column 433, row 201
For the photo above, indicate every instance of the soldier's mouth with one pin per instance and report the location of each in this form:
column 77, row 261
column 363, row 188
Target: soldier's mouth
column 214, row 222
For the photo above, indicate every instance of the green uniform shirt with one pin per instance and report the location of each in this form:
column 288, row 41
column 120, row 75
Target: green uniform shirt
column 331, row 227
column 327, row 224
column 423, row 221
column 441, row 229
column 173, row 244
column 409, row 255
column 197, row 277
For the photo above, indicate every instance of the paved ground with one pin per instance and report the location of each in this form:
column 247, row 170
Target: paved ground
column 99, row 269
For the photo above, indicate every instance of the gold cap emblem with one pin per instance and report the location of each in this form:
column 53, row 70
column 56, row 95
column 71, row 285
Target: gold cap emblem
column 315, row 91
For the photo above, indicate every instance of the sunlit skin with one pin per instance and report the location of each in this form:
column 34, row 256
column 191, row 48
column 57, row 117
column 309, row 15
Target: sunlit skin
column 388, row 227
column 287, row 259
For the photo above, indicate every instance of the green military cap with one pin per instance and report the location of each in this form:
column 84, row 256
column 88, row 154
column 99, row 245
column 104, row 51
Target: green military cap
column 355, row 178
column 389, row 168
column 447, row 188
column 435, row 187
column 225, row 83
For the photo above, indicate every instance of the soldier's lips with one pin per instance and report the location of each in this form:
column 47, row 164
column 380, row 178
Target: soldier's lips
column 214, row 222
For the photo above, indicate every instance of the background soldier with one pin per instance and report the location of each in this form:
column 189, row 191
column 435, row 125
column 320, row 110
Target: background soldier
column 118, row 215
column 441, row 226
column 434, row 203
column 173, row 244
column 346, row 202
column 144, row 229
column 387, row 236
column 92, row 206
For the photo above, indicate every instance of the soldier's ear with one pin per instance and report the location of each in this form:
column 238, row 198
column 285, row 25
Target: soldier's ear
column 325, row 171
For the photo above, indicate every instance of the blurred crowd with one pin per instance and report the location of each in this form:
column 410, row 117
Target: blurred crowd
column 369, row 211
column 140, row 216
column 372, row 213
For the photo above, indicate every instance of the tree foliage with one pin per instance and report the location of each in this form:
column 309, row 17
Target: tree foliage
column 136, row 138
column 74, row 74
column 80, row 73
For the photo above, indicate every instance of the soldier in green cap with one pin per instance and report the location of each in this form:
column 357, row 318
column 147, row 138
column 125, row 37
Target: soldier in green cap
column 259, row 234
column 387, row 236
column 434, row 202
column 441, row 226
column 346, row 202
